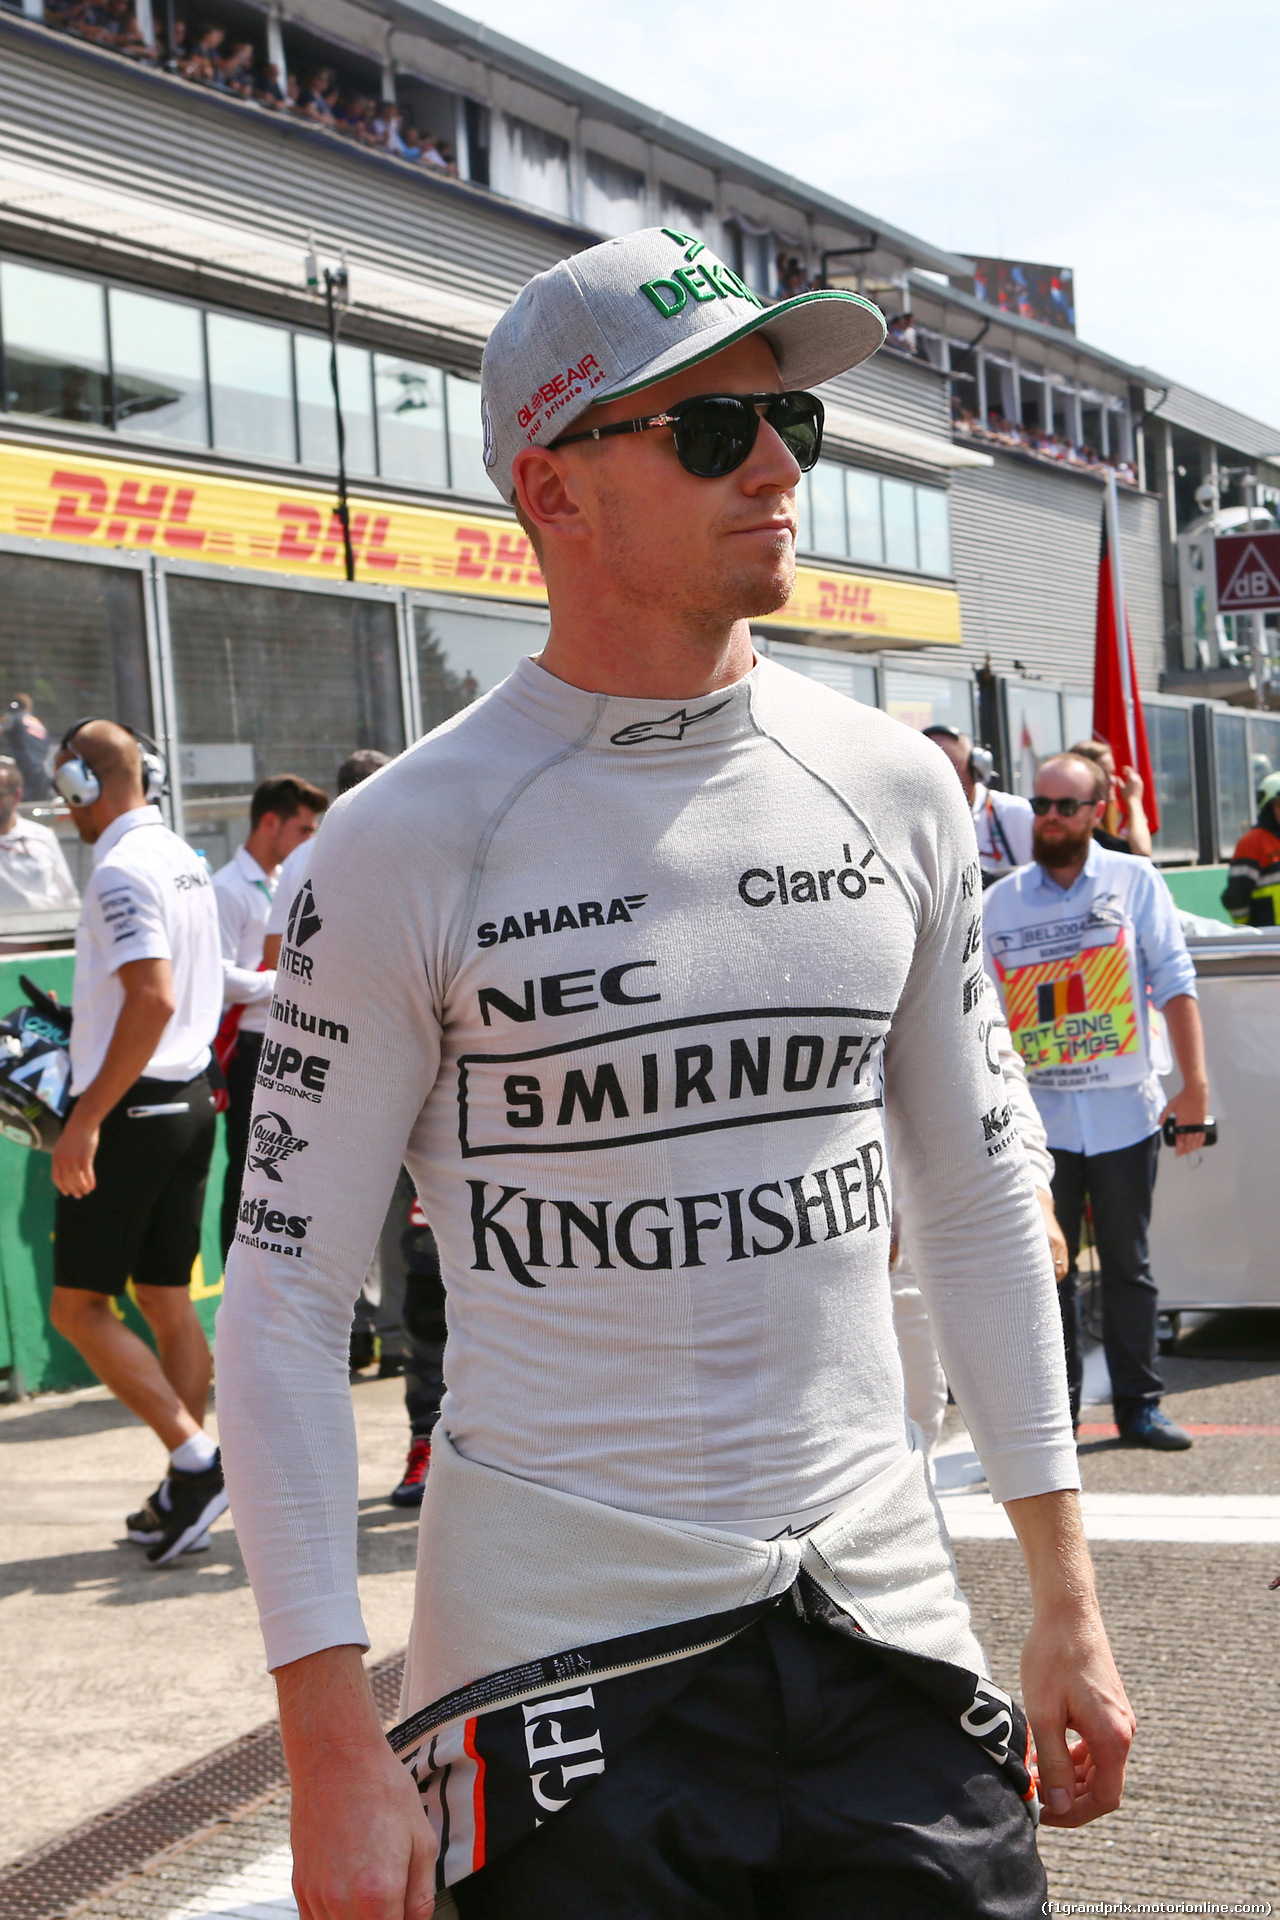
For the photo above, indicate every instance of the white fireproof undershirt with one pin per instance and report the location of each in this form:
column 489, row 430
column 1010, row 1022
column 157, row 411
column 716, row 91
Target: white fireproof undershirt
column 642, row 993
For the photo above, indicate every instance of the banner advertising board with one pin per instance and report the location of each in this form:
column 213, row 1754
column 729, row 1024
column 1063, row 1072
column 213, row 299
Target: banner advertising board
column 1046, row 294
column 48, row 494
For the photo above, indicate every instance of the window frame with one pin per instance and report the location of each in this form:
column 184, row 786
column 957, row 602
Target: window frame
column 155, row 445
column 825, row 556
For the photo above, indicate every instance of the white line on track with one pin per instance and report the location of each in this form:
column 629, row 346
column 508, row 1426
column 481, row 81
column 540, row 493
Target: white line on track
column 1209, row 1519
column 260, row 1892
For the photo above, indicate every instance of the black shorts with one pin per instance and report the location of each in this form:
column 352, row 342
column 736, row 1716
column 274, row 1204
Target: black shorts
column 798, row 1777
column 142, row 1220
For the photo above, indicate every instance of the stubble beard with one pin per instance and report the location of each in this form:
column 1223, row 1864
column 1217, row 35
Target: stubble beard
column 708, row 599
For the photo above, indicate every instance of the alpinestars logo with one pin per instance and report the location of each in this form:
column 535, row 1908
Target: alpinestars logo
column 273, row 1141
column 672, row 727
column 304, row 921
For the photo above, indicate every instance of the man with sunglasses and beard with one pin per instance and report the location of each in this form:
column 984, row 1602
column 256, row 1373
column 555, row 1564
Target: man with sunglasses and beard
column 1077, row 940
column 639, row 963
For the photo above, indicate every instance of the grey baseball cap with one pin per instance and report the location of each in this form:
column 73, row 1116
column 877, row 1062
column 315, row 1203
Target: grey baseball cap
column 630, row 312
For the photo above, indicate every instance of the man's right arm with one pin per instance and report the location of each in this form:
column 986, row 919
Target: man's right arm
column 285, row 1410
column 361, row 1845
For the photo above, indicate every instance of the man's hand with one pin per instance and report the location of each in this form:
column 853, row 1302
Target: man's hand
column 1130, row 784
column 73, row 1156
column 1190, row 1104
column 1069, row 1679
column 1188, row 1108
column 363, row 1848
column 1057, row 1239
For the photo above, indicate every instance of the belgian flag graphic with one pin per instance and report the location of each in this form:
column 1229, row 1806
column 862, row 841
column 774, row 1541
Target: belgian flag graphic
column 1055, row 998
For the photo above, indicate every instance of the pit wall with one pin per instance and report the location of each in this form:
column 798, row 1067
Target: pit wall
column 36, row 1359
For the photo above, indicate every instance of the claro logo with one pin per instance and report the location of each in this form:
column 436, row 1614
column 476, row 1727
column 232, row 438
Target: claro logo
column 770, row 886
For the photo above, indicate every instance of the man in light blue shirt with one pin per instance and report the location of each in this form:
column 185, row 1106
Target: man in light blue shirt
column 1077, row 942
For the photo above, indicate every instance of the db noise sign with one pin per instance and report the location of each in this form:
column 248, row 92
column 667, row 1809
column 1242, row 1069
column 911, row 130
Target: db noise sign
column 1248, row 569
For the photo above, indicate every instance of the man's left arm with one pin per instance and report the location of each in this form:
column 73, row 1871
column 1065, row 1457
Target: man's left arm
column 984, row 1269
column 147, row 1010
column 1171, row 976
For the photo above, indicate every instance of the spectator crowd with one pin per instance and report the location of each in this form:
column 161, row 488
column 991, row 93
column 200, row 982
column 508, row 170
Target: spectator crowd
column 210, row 58
column 999, row 432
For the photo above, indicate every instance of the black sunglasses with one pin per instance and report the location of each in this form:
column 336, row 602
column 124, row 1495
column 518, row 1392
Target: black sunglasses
column 714, row 432
column 1041, row 803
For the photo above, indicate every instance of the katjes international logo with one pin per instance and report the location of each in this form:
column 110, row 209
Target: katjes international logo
column 269, row 1229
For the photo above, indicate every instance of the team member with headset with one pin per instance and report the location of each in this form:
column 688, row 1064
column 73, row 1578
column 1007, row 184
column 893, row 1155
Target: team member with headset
column 132, row 1160
column 283, row 814
column 1002, row 821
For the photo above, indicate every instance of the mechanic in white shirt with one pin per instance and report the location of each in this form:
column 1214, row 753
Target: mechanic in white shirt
column 283, row 815
column 132, row 1162
column 1002, row 821
column 33, row 867
column 369, row 1307
column 356, row 767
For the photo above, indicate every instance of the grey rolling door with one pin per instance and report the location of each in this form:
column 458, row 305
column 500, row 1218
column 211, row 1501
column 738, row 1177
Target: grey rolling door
column 894, row 388
column 170, row 143
column 1025, row 541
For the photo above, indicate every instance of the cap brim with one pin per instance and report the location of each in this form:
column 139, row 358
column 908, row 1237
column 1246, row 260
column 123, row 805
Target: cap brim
column 814, row 336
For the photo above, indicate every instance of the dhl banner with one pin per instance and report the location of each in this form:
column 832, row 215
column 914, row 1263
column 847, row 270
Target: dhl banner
column 49, row 495
column 1075, row 1021
column 246, row 523
column 873, row 612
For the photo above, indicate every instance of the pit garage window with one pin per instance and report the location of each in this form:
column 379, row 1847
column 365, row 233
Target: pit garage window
column 846, row 513
column 55, row 339
column 73, row 643
column 462, row 652
column 168, row 371
column 274, row 680
column 928, row 699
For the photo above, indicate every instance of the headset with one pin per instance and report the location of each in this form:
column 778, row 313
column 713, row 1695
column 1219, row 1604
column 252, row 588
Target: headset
column 982, row 764
column 79, row 785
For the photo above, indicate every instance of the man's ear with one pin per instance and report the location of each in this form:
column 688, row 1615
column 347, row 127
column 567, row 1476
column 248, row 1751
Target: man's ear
column 549, row 493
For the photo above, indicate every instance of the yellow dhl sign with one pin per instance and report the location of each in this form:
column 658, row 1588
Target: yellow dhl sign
column 47, row 495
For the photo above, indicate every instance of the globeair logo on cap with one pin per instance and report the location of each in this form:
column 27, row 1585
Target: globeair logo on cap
column 698, row 280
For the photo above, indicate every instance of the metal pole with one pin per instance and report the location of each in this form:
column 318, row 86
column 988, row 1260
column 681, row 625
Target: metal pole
column 1122, row 625
column 1261, row 662
column 170, row 36
column 337, row 281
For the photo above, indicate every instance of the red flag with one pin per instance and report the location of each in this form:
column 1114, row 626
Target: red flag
column 1117, row 704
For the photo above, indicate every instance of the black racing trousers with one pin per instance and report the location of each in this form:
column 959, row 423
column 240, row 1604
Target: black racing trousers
column 797, row 1778
column 1119, row 1187
column 242, row 1078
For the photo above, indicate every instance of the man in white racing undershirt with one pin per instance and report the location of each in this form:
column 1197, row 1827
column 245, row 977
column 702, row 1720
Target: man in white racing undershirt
column 630, row 962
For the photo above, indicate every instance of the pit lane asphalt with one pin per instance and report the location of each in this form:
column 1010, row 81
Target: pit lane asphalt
column 165, row 1675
